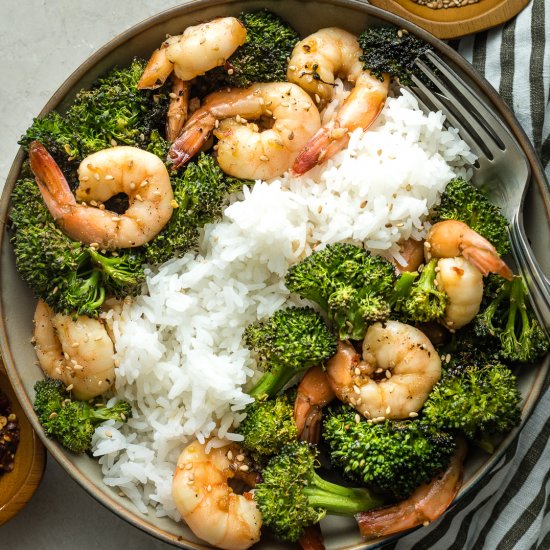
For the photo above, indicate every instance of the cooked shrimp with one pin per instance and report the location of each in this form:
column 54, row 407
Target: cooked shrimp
column 314, row 65
column 463, row 284
column 78, row 352
column 178, row 108
column 425, row 505
column 243, row 150
column 207, row 503
column 399, row 368
column 199, row 49
column 314, row 392
column 452, row 238
column 139, row 174
column 412, row 252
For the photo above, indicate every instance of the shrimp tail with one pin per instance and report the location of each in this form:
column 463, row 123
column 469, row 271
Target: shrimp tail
column 325, row 143
column 312, row 539
column 425, row 505
column 53, row 186
column 192, row 138
column 487, row 261
column 314, row 392
column 177, row 111
column 157, row 70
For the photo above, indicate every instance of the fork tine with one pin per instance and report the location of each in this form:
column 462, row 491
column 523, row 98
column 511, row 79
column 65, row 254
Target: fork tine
column 470, row 95
column 450, row 117
column 482, row 138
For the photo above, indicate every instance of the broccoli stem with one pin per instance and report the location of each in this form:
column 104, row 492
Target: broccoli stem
column 273, row 381
column 339, row 500
column 427, row 276
column 402, row 288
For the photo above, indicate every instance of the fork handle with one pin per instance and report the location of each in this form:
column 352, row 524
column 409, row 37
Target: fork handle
column 535, row 279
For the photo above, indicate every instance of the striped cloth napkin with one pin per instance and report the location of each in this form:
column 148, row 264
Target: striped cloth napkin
column 510, row 508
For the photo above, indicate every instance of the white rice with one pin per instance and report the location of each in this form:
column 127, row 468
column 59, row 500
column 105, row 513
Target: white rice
column 181, row 360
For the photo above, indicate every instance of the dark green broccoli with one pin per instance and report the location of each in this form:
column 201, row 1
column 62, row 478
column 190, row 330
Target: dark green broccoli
column 71, row 277
column 392, row 456
column 509, row 318
column 391, row 50
column 200, row 193
column 466, row 348
column 262, row 58
column 113, row 111
column 479, row 401
column 425, row 302
column 73, row 422
column 288, row 343
column 269, row 425
column 463, row 202
column 349, row 283
column 292, row 496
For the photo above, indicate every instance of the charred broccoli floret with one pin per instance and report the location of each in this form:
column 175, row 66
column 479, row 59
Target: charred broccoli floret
column 349, row 283
column 200, row 194
column 509, row 318
column 425, row 301
column 292, row 496
column 391, row 50
column 463, row 202
column 288, row 343
column 112, row 111
column 393, row 456
column 73, row 422
column 262, row 58
column 71, row 277
column 269, row 425
column 479, row 401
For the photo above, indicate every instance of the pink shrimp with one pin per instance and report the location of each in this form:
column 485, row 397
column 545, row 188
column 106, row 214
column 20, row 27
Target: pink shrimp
column 314, row 65
column 425, row 505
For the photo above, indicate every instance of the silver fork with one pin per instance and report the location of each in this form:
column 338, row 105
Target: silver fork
column 502, row 169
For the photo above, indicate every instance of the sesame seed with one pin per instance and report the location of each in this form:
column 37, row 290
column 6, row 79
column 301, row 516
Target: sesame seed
column 144, row 183
column 52, row 415
column 413, row 414
column 244, row 468
column 69, row 387
column 357, row 419
column 96, row 177
column 240, row 458
column 75, row 344
column 108, row 433
column 114, row 143
column 447, row 358
column 230, row 71
column 66, row 355
column 356, row 389
column 189, row 466
column 379, row 370
column 138, row 198
column 388, row 374
column 229, row 455
column 264, row 158
column 209, row 488
column 173, row 95
column 388, row 411
column 357, row 370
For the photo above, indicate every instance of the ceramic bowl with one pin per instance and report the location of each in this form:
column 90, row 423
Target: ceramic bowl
column 17, row 303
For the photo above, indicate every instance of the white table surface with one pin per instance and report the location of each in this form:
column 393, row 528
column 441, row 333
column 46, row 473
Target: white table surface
column 42, row 42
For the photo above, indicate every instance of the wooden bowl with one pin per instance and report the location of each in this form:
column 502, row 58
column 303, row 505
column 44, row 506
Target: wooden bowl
column 455, row 22
column 18, row 486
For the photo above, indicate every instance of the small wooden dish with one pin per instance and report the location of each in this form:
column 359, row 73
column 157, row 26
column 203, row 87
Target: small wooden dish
column 454, row 22
column 18, row 486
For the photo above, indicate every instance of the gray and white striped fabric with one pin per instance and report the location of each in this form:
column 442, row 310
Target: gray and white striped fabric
column 510, row 509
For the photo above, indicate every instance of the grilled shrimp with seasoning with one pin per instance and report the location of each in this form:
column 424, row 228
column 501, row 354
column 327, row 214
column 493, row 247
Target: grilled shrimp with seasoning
column 463, row 284
column 451, row 238
column 426, row 504
column 140, row 175
column 392, row 380
column 243, row 149
column 197, row 50
column 314, row 65
column 79, row 352
column 206, row 502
